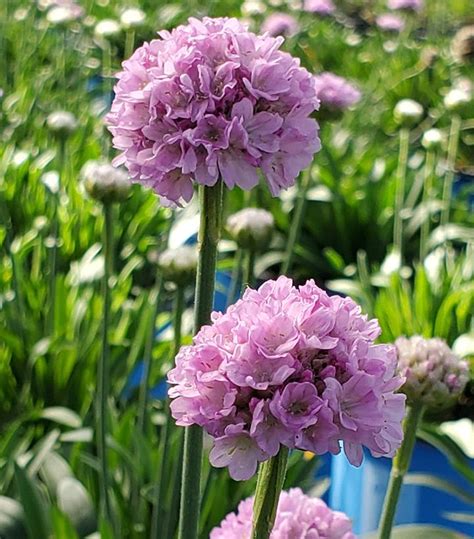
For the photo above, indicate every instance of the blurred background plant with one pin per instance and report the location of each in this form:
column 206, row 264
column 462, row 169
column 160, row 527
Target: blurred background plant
column 60, row 56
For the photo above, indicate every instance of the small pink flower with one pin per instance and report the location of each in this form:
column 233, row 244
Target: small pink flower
column 390, row 22
column 320, row 7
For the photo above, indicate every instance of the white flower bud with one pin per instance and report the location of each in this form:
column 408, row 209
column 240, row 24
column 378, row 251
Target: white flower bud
column 62, row 123
column 432, row 139
column 407, row 112
column 251, row 228
column 457, row 99
column 104, row 182
column 107, row 28
column 179, row 265
column 132, row 18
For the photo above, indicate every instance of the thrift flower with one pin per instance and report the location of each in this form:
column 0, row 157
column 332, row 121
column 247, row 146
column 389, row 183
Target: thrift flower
column 462, row 46
column 104, row 182
column 390, row 22
column 435, row 376
column 251, row 228
column 212, row 100
column 298, row 516
column 132, row 18
column 335, row 93
column 432, row 139
column 179, row 265
column 457, row 99
column 407, row 112
column 280, row 24
column 405, row 5
column 62, row 123
column 320, row 7
column 289, row 366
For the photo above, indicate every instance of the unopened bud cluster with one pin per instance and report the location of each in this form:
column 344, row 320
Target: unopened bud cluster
column 251, row 228
column 104, row 182
column 435, row 375
column 179, row 265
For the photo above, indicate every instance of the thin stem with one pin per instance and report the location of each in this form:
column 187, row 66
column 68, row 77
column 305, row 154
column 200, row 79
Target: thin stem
column 400, row 190
column 159, row 509
column 145, row 381
column 53, row 252
column 103, row 365
column 234, row 280
column 129, row 43
column 271, row 476
column 249, row 269
column 427, row 197
column 297, row 222
column 211, row 208
column 400, row 466
column 448, row 180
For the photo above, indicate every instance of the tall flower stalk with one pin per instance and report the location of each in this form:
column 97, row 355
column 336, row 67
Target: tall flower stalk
column 453, row 144
column 103, row 366
column 271, row 477
column 209, row 233
column 400, row 190
column 400, row 466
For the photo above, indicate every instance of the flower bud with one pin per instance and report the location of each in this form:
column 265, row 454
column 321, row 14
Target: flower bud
column 179, row 265
column 462, row 46
column 104, row 182
column 107, row 28
column 457, row 99
column 251, row 228
column 407, row 112
column 61, row 123
column 432, row 139
column 132, row 18
column 435, row 376
column 63, row 15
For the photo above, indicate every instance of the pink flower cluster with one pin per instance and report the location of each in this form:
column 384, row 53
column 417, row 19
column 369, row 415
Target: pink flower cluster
column 334, row 92
column 320, row 7
column 280, row 24
column 390, row 22
column 298, row 516
column 407, row 5
column 209, row 100
column 290, row 366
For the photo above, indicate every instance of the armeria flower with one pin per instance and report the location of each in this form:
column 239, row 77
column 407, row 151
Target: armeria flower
column 212, row 100
column 406, row 5
column 407, row 112
column 435, row 375
column 298, row 516
column 104, row 182
column 335, row 93
column 320, row 7
column 179, row 265
column 280, row 24
column 62, row 123
column 462, row 45
column 390, row 22
column 251, row 228
column 289, row 366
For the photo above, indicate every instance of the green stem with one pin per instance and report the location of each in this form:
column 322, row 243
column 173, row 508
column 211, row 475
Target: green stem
column 129, row 43
column 53, row 252
column 400, row 190
column 145, row 381
column 159, row 509
column 234, row 281
column 103, row 365
column 400, row 466
column 171, row 520
column 211, row 208
column 249, row 269
column 297, row 222
column 271, row 476
column 427, row 197
column 448, row 180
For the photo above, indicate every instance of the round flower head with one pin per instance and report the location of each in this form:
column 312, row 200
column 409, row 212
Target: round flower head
column 405, row 5
column 407, row 112
column 321, row 7
column 251, row 228
column 335, row 93
column 390, row 22
column 435, row 376
column 64, row 14
column 432, row 139
column 212, row 100
column 457, row 100
column 289, row 366
column 107, row 28
column 280, row 24
column 298, row 516
column 62, row 123
column 132, row 18
column 462, row 46
column 104, row 182
column 179, row 265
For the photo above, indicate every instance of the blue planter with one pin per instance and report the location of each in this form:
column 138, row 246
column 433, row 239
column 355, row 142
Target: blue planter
column 359, row 492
